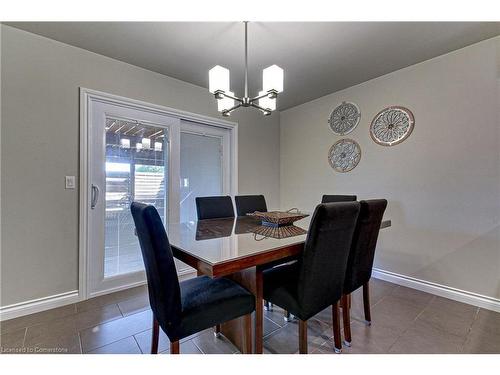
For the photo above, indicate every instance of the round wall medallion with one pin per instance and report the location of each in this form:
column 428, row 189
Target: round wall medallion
column 344, row 155
column 392, row 125
column 344, row 118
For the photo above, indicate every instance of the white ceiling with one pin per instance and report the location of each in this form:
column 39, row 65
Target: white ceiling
column 318, row 58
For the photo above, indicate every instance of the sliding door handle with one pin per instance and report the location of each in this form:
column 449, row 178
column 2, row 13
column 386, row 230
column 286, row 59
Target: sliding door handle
column 94, row 196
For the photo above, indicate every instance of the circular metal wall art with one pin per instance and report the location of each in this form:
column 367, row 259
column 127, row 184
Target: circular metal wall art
column 392, row 125
column 344, row 118
column 344, row 155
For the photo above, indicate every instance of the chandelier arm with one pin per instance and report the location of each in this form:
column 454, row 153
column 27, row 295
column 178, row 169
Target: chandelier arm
column 218, row 95
column 226, row 112
column 270, row 94
column 265, row 110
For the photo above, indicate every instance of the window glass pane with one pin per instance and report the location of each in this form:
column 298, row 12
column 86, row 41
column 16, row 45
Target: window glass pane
column 136, row 170
column 201, row 171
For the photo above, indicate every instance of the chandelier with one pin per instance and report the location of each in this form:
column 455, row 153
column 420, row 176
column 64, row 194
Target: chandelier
column 227, row 102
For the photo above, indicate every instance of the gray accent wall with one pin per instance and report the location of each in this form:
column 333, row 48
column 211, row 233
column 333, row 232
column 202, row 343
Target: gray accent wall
column 442, row 183
column 40, row 80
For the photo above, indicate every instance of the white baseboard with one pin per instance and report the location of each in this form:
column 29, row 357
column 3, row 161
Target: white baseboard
column 187, row 274
column 50, row 302
column 36, row 305
column 470, row 298
column 115, row 289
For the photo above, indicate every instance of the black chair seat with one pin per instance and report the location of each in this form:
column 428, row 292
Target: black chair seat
column 207, row 302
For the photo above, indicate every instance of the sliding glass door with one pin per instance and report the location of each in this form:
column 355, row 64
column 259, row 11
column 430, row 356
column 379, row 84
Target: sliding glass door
column 142, row 155
column 135, row 170
column 130, row 158
column 202, row 166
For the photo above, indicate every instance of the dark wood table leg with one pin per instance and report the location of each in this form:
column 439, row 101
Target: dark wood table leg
column 234, row 330
column 259, row 312
column 217, row 327
column 247, row 329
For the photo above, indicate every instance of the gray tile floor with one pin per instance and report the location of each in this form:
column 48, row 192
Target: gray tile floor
column 403, row 321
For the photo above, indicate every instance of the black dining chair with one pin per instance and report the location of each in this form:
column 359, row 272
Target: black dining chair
column 360, row 261
column 246, row 204
column 182, row 309
column 338, row 198
column 306, row 287
column 332, row 198
column 214, row 207
column 326, row 199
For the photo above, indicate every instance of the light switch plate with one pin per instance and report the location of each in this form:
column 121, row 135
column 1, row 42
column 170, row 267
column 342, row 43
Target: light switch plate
column 70, row 182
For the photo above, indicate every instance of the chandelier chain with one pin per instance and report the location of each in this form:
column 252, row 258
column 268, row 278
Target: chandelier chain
column 246, row 59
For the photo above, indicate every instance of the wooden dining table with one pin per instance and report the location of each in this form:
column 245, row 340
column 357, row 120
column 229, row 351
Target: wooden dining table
column 232, row 247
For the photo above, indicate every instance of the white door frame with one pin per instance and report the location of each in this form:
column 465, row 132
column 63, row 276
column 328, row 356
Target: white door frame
column 87, row 97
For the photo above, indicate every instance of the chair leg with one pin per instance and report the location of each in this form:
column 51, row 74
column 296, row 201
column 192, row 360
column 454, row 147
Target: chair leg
column 287, row 316
column 247, row 334
column 155, row 336
column 366, row 303
column 336, row 327
column 217, row 330
column 268, row 306
column 302, row 336
column 174, row 347
column 346, row 318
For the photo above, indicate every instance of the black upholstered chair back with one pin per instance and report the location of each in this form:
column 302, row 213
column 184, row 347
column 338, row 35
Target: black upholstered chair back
column 338, row 198
column 360, row 262
column 214, row 207
column 163, row 284
column 250, row 203
column 324, row 261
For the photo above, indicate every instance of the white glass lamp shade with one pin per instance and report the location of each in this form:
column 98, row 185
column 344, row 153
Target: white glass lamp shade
column 146, row 143
column 225, row 103
column 218, row 79
column 125, row 143
column 266, row 102
column 272, row 78
column 158, row 146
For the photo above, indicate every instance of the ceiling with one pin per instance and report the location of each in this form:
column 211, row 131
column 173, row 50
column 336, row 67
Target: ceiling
column 318, row 57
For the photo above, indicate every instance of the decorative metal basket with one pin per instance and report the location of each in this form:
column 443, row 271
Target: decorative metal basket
column 277, row 232
column 277, row 218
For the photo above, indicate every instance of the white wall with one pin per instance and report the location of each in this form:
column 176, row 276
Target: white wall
column 442, row 183
column 39, row 146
